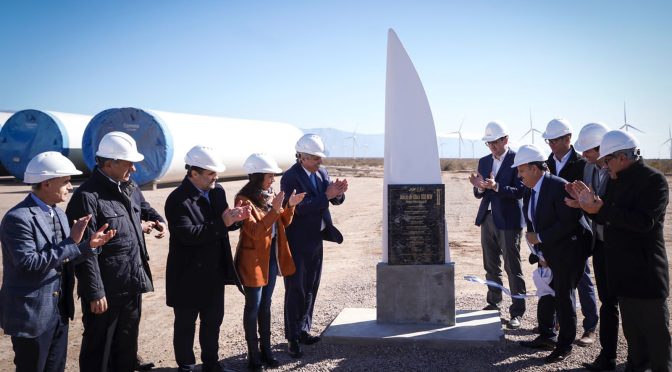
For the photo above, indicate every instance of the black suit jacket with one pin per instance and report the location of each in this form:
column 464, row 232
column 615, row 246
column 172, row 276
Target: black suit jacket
column 633, row 215
column 573, row 170
column 565, row 234
column 199, row 252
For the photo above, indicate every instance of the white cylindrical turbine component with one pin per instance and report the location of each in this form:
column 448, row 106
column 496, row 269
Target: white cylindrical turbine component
column 164, row 138
column 30, row 132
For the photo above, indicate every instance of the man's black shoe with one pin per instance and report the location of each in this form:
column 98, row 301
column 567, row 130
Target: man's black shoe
column 307, row 339
column 294, row 349
column 558, row 355
column 491, row 307
column 601, row 364
column 141, row 365
column 539, row 343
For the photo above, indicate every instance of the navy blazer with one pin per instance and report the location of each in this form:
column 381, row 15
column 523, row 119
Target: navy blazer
column 565, row 235
column 304, row 231
column 506, row 203
column 33, row 267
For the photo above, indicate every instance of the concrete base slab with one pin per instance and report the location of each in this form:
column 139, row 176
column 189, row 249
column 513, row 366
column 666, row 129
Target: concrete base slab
column 359, row 326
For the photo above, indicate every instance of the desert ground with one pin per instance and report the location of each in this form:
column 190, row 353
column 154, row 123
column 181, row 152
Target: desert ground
column 348, row 280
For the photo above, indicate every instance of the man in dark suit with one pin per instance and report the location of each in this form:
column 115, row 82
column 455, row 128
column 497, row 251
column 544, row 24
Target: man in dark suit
column 111, row 284
column 312, row 223
column 501, row 220
column 633, row 214
column 199, row 262
column 563, row 237
column 597, row 177
column 567, row 164
column 38, row 249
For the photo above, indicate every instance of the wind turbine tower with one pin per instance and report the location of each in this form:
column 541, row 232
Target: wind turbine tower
column 625, row 122
column 669, row 140
column 354, row 141
column 532, row 129
column 460, row 140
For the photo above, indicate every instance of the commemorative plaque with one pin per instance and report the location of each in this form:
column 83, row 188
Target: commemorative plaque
column 416, row 224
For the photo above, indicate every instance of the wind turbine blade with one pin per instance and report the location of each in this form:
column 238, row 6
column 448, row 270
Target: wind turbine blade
column 408, row 124
column 635, row 128
column 462, row 123
column 625, row 118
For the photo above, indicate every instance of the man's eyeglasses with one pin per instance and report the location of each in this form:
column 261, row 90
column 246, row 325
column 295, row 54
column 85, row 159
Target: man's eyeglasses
column 553, row 141
column 492, row 143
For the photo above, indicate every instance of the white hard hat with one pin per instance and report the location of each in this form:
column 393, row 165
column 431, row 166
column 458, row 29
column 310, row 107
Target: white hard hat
column 616, row 140
column 311, row 144
column 261, row 163
column 48, row 165
column 590, row 136
column 557, row 128
column 204, row 157
column 495, row 130
column 527, row 154
column 119, row 146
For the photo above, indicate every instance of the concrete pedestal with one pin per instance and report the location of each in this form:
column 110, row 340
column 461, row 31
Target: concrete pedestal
column 478, row 328
column 415, row 294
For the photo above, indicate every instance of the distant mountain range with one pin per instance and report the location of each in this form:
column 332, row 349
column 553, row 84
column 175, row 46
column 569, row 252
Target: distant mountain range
column 339, row 144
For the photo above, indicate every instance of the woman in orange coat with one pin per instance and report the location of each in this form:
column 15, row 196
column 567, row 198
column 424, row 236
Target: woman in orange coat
column 262, row 254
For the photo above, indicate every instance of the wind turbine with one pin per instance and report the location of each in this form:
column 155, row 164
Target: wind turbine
column 532, row 129
column 354, row 141
column 625, row 122
column 460, row 140
column 669, row 139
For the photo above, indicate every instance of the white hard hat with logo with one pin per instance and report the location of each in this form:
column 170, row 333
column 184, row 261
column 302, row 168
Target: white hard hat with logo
column 310, row 144
column 617, row 140
column 590, row 136
column 119, row 146
column 557, row 128
column 528, row 154
column 204, row 157
column 48, row 165
column 261, row 163
column 495, row 130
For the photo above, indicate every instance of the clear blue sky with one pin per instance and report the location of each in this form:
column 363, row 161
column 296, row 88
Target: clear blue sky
column 322, row 63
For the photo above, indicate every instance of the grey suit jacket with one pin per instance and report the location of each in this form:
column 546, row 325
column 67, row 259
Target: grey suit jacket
column 591, row 177
column 32, row 266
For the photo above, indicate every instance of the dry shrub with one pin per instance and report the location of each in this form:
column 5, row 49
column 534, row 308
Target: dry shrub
column 663, row 165
column 455, row 165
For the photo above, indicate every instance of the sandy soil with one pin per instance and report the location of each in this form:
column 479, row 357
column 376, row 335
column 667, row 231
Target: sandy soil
column 348, row 280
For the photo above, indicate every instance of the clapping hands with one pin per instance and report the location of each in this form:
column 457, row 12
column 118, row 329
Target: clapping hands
column 582, row 196
column 238, row 213
column 337, row 188
column 98, row 238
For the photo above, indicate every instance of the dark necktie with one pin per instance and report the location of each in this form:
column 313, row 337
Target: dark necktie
column 313, row 179
column 533, row 208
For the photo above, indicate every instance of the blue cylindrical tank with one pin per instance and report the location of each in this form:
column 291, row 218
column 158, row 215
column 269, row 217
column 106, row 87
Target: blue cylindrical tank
column 164, row 139
column 4, row 115
column 29, row 132
column 152, row 137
